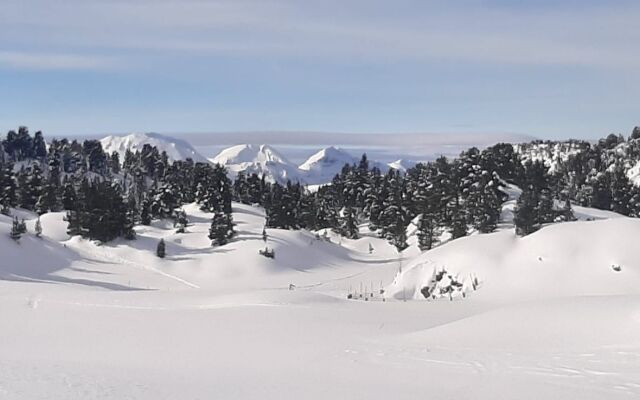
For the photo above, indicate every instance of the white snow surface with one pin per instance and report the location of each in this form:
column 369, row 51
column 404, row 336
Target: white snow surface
column 176, row 149
column 550, row 317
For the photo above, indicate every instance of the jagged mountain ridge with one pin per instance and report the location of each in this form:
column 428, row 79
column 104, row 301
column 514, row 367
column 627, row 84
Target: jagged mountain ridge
column 176, row 149
column 261, row 159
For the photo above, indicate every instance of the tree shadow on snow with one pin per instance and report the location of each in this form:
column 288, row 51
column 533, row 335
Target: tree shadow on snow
column 39, row 259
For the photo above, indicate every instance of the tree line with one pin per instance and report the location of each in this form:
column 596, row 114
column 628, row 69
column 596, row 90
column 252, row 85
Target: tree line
column 105, row 197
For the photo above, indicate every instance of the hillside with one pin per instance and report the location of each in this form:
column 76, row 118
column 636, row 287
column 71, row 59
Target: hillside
column 206, row 310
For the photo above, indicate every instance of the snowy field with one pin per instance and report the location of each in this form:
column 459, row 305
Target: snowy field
column 552, row 315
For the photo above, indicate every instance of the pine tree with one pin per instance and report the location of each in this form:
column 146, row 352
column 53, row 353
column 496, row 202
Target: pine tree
column 221, row 229
column 161, row 249
column 8, row 189
column 525, row 215
column 348, row 223
column 130, row 219
column 38, row 228
column 16, row 230
column 428, row 232
column 180, row 221
column 145, row 215
column 74, row 227
column 457, row 221
column 69, row 197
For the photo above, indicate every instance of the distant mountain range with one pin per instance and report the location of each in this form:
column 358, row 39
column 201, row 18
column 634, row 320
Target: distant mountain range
column 261, row 159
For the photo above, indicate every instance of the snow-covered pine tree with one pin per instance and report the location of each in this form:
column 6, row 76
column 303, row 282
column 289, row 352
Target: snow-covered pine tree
column 129, row 222
column 428, row 231
column 348, row 223
column 546, row 212
column 16, row 230
column 164, row 201
column 221, row 229
column 457, row 220
column 393, row 219
column 525, row 213
column 38, row 228
column 180, row 221
column 145, row 212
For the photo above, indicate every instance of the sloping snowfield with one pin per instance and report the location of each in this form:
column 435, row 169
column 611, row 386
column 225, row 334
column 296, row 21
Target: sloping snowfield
column 553, row 315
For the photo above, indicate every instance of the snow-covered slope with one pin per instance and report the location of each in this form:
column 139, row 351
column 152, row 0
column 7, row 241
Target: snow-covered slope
column 550, row 318
column 176, row 149
column 569, row 259
column 257, row 159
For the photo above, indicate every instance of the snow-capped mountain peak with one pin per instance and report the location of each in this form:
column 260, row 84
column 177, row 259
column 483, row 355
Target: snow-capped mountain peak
column 249, row 153
column 176, row 149
column 402, row 165
column 322, row 166
column 327, row 157
column 262, row 160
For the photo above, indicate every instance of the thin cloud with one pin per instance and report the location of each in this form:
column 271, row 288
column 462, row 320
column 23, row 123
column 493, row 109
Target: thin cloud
column 54, row 61
column 597, row 37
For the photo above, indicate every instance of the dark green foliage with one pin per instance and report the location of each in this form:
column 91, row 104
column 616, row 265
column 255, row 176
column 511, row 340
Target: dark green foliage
column 161, row 250
column 525, row 217
column 38, row 228
column 17, row 229
column 348, row 223
column 221, row 230
column 428, row 231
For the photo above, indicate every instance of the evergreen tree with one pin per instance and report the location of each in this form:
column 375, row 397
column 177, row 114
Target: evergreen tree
column 145, row 215
column 16, row 230
column 74, row 227
column 8, row 189
column 180, row 221
column 525, row 216
column 428, row 231
column 38, row 228
column 221, row 229
column 127, row 230
column 161, row 249
column 348, row 223
column 69, row 198
column 39, row 146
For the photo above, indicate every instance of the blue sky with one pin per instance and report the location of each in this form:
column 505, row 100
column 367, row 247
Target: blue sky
column 550, row 69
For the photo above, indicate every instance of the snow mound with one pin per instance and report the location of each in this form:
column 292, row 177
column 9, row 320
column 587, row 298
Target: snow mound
column 176, row 149
column 570, row 259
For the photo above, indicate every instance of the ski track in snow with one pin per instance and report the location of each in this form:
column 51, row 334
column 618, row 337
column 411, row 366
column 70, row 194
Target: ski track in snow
column 122, row 261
